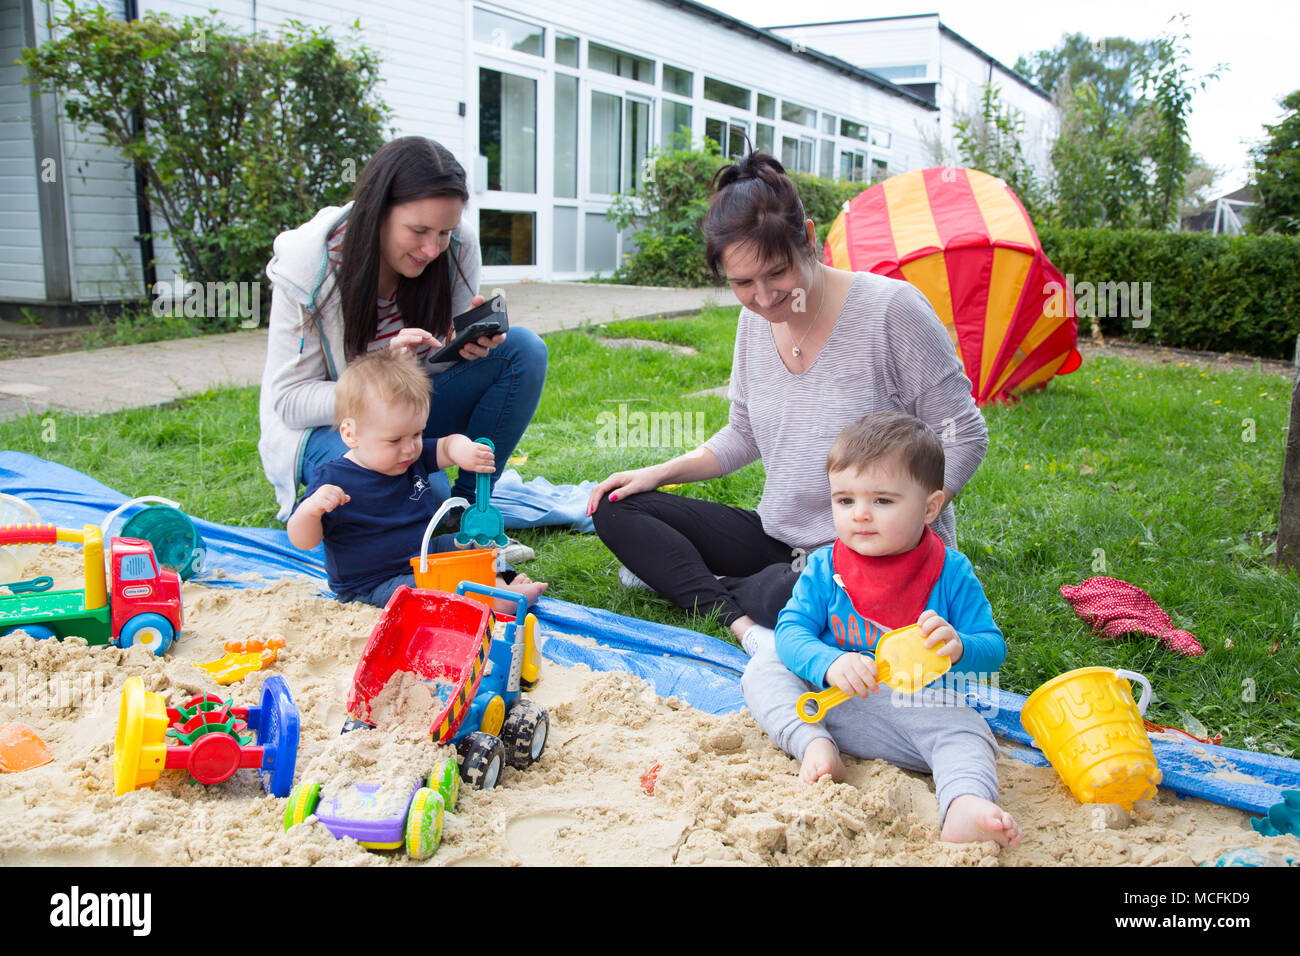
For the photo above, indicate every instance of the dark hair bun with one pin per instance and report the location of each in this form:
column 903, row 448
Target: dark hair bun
column 755, row 202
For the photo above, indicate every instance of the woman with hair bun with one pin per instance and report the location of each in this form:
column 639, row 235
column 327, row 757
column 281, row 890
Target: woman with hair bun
column 816, row 349
column 388, row 270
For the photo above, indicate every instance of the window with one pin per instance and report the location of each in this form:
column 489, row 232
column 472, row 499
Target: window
column 137, row 567
column 766, row 106
column 673, row 117
column 881, row 138
column 681, row 82
column 507, row 130
column 828, row 124
column 853, row 167
column 620, row 142
column 606, row 138
column 730, row 136
column 879, row 170
column 506, row 238
column 566, row 51
column 720, row 92
column 794, row 113
column 764, row 138
column 507, row 33
column 827, row 168
column 566, row 136
column 629, row 65
column 601, row 247
column 636, row 142
column 797, row 154
column 913, row 71
column 853, row 130
column 564, row 250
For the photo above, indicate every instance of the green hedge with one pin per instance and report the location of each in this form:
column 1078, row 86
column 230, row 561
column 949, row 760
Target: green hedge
column 1220, row 293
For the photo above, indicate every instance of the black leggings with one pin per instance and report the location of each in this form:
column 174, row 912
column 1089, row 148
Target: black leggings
column 678, row 545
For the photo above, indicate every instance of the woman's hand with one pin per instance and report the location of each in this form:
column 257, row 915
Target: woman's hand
column 622, row 484
column 485, row 344
column 411, row 339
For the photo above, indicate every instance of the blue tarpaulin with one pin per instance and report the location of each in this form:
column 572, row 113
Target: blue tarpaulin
column 694, row 667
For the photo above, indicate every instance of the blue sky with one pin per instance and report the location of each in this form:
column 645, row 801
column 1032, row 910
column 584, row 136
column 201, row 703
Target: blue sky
column 1255, row 40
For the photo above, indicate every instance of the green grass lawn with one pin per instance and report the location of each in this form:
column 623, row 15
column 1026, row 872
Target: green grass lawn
column 1167, row 476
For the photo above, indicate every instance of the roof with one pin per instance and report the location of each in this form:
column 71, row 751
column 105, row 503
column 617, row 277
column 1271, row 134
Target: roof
column 805, row 53
column 1027, row 84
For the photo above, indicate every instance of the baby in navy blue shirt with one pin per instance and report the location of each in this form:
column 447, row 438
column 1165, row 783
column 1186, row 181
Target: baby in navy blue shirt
column 371, row 505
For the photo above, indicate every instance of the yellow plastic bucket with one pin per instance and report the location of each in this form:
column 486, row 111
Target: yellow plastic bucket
column 1088, row 726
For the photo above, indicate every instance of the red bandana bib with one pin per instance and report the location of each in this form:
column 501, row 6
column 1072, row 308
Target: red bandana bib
column 891, row 590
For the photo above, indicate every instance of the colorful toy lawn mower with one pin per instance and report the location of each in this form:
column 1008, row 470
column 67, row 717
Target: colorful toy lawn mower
column 211, row 738
column 382, row 818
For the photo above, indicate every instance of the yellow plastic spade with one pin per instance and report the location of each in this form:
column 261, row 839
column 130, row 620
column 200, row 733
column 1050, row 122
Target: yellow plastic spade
column 902, row 661
column 242, row 659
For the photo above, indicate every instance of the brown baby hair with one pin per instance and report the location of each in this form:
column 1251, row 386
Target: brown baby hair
column 756, row 202
column 890, row 436
column 385, row 376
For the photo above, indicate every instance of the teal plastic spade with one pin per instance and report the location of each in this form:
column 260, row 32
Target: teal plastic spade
column 481, row 525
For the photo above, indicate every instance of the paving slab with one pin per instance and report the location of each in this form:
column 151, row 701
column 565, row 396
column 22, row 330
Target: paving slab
column 154, row 373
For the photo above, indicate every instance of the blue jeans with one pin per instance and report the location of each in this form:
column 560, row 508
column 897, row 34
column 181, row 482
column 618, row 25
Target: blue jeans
column 490, row 397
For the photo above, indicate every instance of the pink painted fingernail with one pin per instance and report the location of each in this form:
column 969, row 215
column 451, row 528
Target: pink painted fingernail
column 613, row 497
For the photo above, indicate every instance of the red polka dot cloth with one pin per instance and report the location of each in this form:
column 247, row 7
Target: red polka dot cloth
column 1115, row 608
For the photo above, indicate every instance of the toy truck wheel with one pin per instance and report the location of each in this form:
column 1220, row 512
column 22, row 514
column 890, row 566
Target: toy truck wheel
column 38, row 632
column 148, row 630
column 446, row 780
column 525, row 732
column 424, row 824
column 482, row 757
column 302, row 803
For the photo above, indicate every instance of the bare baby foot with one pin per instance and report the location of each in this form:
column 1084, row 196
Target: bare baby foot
column 522, row 584
column 972, row 819
column 819, row 758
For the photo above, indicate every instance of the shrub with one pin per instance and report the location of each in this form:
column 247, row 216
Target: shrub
column 242, row 136
column 1222, row 293
column 671, row 205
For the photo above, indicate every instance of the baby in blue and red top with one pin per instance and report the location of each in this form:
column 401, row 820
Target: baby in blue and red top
column 888, row 569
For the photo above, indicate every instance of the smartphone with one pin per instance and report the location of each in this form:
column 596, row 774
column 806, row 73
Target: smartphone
column 488, row 319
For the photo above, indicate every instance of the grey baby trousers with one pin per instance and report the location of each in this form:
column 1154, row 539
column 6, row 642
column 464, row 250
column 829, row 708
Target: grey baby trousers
column 932, row 731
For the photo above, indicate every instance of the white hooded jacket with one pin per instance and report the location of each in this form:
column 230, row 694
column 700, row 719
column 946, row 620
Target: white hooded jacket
column 304, row 351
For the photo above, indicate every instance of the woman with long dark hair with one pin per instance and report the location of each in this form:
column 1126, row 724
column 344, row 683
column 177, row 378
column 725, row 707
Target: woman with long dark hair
column 816, row 349
column 388, row 270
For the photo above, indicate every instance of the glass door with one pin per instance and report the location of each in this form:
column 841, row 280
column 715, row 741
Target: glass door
column 511, row 102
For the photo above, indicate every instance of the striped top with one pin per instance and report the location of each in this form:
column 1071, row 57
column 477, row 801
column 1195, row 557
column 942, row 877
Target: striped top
column 887, row 352
column 389, row 318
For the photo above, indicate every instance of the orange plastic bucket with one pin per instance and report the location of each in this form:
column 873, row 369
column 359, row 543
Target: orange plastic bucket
column 446, row 569
column 1088, row 726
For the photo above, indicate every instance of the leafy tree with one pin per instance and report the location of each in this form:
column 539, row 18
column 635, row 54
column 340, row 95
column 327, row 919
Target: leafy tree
column 1277, row 174
column 243, row 136
column 1123, row 156
column 989, row 139
column 1112, row 66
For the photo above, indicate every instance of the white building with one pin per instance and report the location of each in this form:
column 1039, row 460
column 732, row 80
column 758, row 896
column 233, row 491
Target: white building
column 552, row 107
column 922, row 55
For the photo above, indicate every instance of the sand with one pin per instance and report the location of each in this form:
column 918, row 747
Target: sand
column 722, row 794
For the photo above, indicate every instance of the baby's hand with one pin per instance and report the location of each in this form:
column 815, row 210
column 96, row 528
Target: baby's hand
column 853, row 673
column 940, row 635
column 325, row 499
column 469, row 455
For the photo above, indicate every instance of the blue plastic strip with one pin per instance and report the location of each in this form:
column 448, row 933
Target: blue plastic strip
column 701, row 670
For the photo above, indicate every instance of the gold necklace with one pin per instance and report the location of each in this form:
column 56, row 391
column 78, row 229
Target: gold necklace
column 797, row 350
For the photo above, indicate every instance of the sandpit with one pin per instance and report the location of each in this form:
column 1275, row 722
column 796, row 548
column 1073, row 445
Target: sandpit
column 722, row 795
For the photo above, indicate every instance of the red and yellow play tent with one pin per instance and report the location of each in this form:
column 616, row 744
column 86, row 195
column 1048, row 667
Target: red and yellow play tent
column 963, row 238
